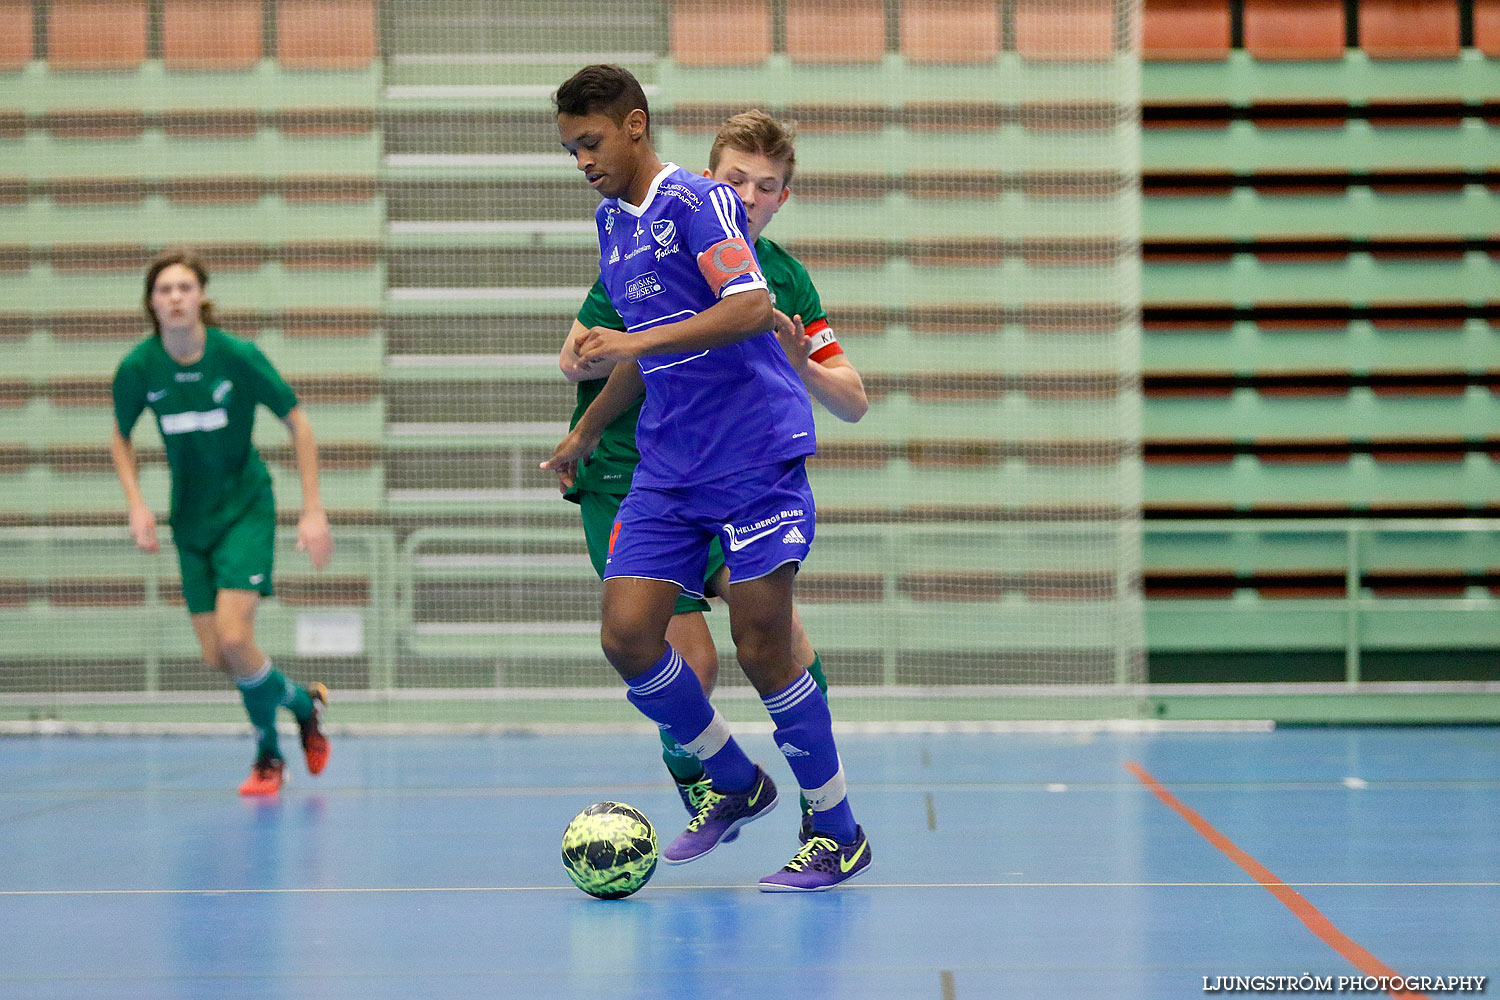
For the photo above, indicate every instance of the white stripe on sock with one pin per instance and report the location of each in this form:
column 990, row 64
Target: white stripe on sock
column 792, row 695
column 829, row 794
column 662, row 680
column 256, row 679
column 711, row 740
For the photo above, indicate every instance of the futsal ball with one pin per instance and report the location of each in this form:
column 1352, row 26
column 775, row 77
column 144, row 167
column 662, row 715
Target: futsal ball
column 609, row 850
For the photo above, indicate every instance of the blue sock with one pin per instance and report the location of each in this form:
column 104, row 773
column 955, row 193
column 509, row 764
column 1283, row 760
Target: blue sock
column 804, row 735
column 669, row 695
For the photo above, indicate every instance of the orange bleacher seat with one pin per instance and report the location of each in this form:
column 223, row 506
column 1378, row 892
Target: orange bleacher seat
column 211, row 34
column 1487, row 27
column 835, row 31
column 950, row 31
column 15, row 34
column 1409, row 29
column 325, row 34
column 1294, row 29
column 1065, row 30
column 96, row 34
column 700, row 38
column 1186, row 30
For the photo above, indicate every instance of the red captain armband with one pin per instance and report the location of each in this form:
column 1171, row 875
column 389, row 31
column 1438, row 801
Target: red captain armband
column 725, row 261
column 824, row 344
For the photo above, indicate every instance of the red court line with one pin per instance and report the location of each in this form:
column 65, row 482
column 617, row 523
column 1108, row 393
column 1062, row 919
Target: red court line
column 1304, row 911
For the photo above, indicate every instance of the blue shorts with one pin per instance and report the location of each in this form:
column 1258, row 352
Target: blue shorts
column 764, row 517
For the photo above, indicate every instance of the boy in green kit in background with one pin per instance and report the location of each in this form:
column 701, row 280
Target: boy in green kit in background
column 204, row 386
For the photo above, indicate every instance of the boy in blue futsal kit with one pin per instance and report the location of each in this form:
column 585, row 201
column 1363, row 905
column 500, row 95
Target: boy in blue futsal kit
column 723, row 435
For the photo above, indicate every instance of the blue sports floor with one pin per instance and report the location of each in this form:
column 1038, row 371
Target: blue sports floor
column 1005, row 866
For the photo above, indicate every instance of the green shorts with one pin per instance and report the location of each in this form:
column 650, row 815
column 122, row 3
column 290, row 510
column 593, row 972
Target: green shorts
column 240, row 559
column 599, row 513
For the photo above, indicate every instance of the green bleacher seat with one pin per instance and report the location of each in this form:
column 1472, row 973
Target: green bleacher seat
column 1351, row 78
column 1360, row 278
column 1360, row 415
column 1357, row 346
column 1246, row 483
column 1241, row 212
column 1356, row 147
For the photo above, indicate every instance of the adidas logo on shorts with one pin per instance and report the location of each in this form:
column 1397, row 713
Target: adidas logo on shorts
column 794, row 537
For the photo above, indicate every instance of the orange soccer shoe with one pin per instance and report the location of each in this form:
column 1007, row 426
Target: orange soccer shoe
column 265, row 777
column 314, row 743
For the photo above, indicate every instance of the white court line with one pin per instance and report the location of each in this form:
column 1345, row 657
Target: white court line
column 368, row 890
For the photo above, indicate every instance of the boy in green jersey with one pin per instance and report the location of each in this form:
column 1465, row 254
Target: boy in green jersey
column 204, row 386
column 755, row 155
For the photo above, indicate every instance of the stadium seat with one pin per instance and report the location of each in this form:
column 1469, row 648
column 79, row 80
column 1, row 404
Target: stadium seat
column 211, row 34
column 699, row 37
column 1409, row 29
column 846, row 31
column 1294, row 29
column 1065, row 30
column 15, row 34
column 97, row 34
column 950, row 31
column 1186, row 30
column 304, row 39
column 1487, row 27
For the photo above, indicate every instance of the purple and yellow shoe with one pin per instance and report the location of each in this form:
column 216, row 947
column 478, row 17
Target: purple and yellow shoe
column 822, row 863
column 719, row 816
column 691, row 793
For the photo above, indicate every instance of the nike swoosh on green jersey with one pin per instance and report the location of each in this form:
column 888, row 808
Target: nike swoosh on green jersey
column 846, row 864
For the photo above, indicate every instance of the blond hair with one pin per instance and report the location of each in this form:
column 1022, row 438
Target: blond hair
column 756, row 132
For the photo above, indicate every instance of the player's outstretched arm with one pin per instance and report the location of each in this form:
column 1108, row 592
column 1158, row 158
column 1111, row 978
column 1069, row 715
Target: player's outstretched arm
column 142, row 521
column 574, row 368
column 834, row 381
column 624, row 387
column 313, row 535
column 733, row 318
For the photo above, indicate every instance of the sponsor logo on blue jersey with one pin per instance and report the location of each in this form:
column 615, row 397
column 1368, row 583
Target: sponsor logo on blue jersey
column 643, row 287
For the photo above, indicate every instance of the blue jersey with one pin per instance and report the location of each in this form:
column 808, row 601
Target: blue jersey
column 707, row 413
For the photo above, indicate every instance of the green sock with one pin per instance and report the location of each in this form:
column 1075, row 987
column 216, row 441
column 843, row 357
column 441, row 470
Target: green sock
column 684, row 766
column 816, row 669
column 264, row 691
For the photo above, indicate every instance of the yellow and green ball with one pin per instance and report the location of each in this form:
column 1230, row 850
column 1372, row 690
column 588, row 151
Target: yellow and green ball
column 609, row 850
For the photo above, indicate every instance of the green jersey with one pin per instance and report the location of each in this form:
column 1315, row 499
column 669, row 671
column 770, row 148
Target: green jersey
column 206, row 413
column 609, row 468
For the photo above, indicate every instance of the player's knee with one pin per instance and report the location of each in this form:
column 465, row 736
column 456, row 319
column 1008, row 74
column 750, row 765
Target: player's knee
column 757, row 646
column 236, row 647
column 628, row 646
